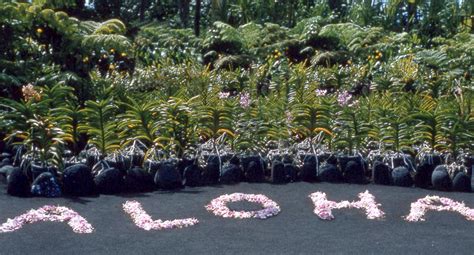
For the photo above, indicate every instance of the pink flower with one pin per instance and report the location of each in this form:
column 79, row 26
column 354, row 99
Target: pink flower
column 219, row 207
column 49, row 213
column 323, row 207
column 344, row 98
column 144, row 221
column 289, row 116
column 423, row 205
column 245, row 100
column 224, row 95
column 321, row 92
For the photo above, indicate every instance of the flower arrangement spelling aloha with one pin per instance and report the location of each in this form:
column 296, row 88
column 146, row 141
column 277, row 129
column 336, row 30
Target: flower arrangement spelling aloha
column 421, row 206
column 323, row 207
column 144, row 221
column 49, row 213
column 219, row 206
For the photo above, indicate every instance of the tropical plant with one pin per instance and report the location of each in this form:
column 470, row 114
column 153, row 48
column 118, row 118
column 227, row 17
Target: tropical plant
column 101, row 125
column 69, row 118
column 391, row 126
column 176, row 133
column 140, row 121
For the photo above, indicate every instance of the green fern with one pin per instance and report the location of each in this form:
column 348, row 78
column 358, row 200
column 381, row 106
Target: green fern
column 391, row 121
column 430, row 116
column 457, row 128
column 312, row 118
column 44, row 140
column 351, row 126
column 140, row 121
column 69, row 119
column 101, row 126
column 176, row 132
column 17, row 114
column 213, row 121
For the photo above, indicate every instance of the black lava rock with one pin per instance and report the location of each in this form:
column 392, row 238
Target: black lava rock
column 109, row 181
column 18, row 184
column 230, row 174
column 382, row 173
column 185, row 162
column 167, row 176
column 123, row 163
column 278, row 174
column 401, row 177
column 331, row 159
column 423, row 175
column 425, row 170
column 5, row 155
column 461, row 182
column 151, row 166
column 255, row 171
column 469, row 164
column 309, row 169
column 344, row 160
column 253, row 168
column 5, row 162
column 138, row 180
column 406, row 161
column 291, row 172
column 212, row 170
column 78, row 181
column 37, row 170
column 354, row 173
column 137, row 159
column 192, row 175
column 432, row 159
column 233, row 159
column 329, row 173
column 287, row 159
column 6, row 170
column 440, row 179
column 91, row 160
column 46, row 185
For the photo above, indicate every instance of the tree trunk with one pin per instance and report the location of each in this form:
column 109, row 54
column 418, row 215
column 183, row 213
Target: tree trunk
column 335, row 5
column 143, row 6
column 291, row 15
column 117, row 4
column 411, row 16
column 197, row 18
column 183, row 6
column 76, row 10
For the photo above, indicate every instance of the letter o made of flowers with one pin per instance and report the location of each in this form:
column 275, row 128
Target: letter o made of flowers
column 219, row 206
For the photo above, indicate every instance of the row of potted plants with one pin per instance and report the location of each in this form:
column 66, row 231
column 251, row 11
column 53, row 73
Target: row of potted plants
column 132, row 170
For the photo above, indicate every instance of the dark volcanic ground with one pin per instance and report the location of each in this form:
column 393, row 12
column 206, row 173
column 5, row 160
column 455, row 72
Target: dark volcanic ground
column 296, row 230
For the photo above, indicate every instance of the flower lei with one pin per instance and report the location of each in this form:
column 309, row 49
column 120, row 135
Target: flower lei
column 323, row 207
column 49, row 213
column 144, row 221
column 421, row 206
column 219, row 207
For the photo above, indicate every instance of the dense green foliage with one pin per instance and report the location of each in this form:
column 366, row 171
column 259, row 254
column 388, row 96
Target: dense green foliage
column 259, row 75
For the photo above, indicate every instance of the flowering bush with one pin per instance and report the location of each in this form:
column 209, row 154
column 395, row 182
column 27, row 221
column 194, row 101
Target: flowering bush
column 423, row 205
column 144, row 221
column 219, row 207
column 323, row 207
column 49, row 213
